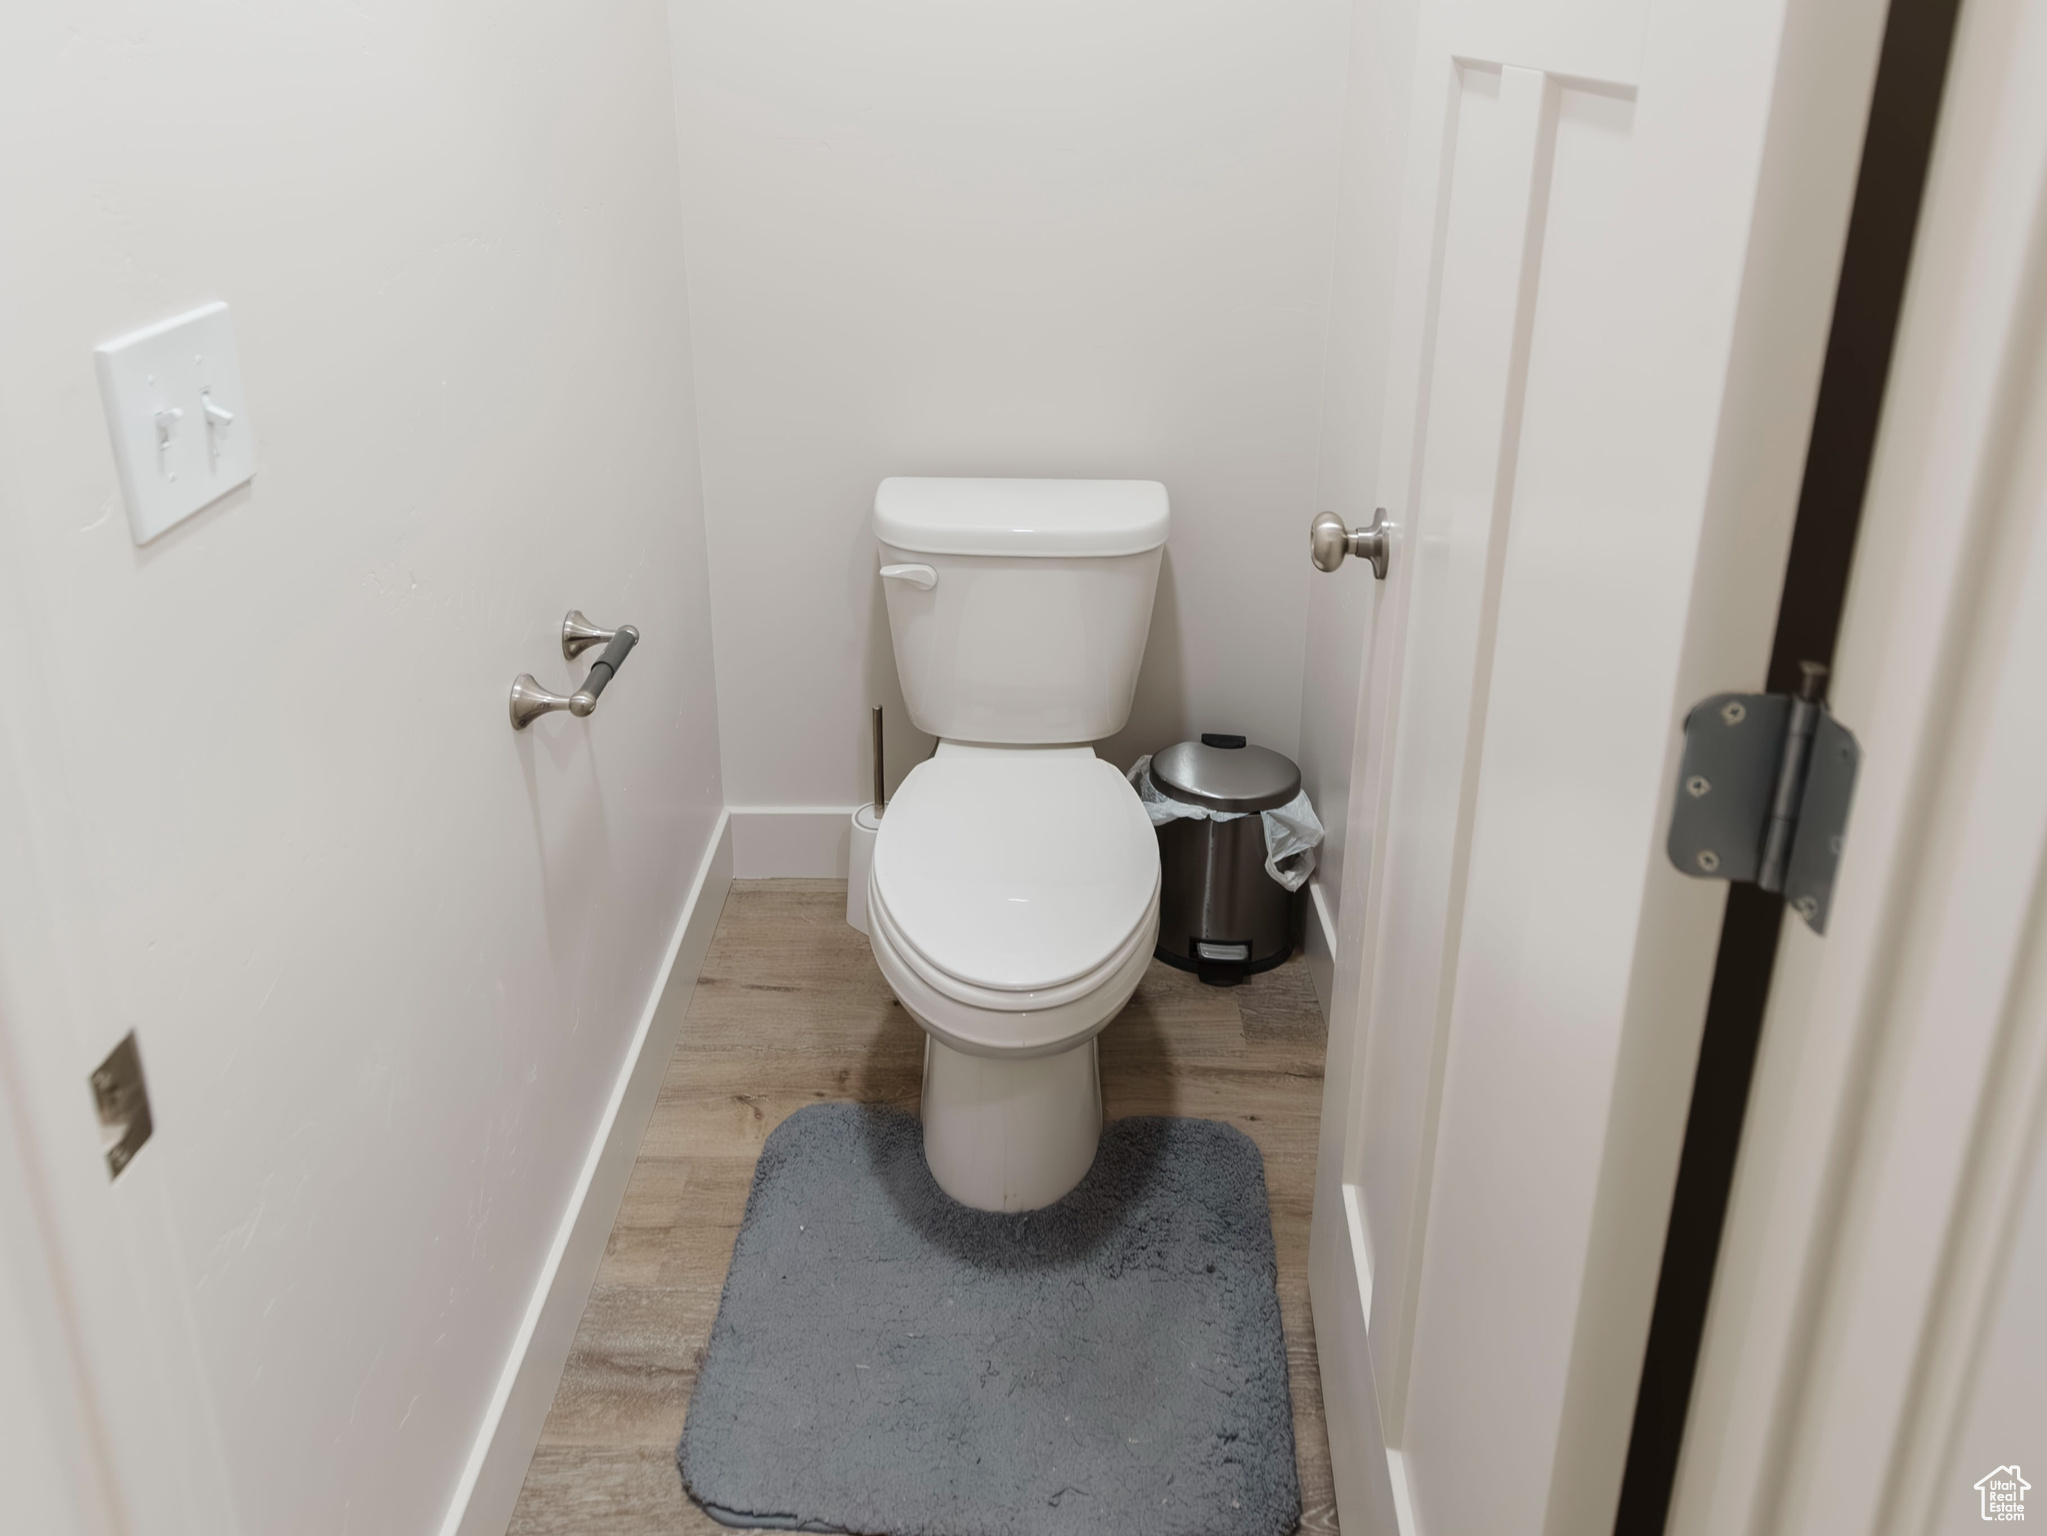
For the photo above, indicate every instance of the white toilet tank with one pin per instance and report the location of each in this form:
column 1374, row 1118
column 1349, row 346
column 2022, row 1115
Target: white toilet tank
column 1019, row 608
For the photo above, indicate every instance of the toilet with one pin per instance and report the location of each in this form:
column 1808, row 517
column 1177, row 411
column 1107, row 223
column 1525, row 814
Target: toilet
column 1013, row 897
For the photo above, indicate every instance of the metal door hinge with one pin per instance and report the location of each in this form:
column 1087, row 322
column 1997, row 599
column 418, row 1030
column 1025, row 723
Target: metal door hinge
column 122, row 1099
column 1763, row 794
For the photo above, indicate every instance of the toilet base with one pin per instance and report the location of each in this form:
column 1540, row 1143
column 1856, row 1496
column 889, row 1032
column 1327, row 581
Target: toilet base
column 1004, row 1133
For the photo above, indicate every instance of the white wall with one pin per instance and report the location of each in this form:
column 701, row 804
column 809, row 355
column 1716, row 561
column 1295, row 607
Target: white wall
column 1030, row 237
column 384, row 956
column 40, row 1434
column 1340, row 604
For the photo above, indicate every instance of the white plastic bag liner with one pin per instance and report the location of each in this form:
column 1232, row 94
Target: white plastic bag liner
column 1292, row 831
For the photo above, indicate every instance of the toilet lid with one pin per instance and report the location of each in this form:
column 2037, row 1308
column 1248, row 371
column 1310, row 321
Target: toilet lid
column 1016, row 873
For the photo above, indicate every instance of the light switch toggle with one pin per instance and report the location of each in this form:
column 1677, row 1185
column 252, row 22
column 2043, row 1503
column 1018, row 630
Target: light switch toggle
column 166, row 423
column 218, row 420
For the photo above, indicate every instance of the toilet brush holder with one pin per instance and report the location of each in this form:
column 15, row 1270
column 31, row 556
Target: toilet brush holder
column 866, row 822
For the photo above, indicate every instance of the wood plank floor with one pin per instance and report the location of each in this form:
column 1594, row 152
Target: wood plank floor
column 789, row 1010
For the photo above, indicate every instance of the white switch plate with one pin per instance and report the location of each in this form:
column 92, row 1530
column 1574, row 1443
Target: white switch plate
column 181, row 433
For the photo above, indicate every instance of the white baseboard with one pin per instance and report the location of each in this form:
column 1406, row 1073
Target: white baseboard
column 489, row 1489
column 1319, row 945
column 770, row 841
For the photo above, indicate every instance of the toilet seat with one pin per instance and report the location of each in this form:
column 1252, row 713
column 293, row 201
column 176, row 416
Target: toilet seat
column 1013, row 899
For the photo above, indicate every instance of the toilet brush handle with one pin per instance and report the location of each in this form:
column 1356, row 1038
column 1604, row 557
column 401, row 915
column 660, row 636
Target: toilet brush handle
column 878, row 797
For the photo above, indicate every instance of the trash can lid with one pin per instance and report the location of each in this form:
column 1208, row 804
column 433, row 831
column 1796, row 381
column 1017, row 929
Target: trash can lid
column 1226, row 778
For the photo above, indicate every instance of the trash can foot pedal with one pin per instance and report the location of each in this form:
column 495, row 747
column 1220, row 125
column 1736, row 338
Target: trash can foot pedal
column 1221, row 964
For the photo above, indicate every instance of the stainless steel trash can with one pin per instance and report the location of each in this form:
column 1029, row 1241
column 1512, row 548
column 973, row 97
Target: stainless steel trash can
column 1220, row 914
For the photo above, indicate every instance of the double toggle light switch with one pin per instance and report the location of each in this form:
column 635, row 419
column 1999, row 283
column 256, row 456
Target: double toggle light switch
column 173, row 394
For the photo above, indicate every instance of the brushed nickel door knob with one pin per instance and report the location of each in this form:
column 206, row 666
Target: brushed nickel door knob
column 1329, row 541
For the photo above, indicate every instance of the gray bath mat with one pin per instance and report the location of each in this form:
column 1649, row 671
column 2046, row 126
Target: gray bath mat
column 887, row 1361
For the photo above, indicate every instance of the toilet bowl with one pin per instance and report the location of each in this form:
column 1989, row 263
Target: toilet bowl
column 1013, row 896
column 1013, row 905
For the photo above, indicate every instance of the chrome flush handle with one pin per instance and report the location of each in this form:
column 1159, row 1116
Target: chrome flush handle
column 1329, row 541
column 530, row 701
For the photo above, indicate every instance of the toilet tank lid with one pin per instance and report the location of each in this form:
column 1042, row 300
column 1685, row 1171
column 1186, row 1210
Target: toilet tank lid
column 1021, row 517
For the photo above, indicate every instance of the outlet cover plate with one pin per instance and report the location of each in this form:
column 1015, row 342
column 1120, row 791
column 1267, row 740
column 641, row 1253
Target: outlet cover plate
column 175, row 410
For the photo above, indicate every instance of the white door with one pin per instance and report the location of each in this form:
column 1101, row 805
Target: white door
column 1619, row 239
